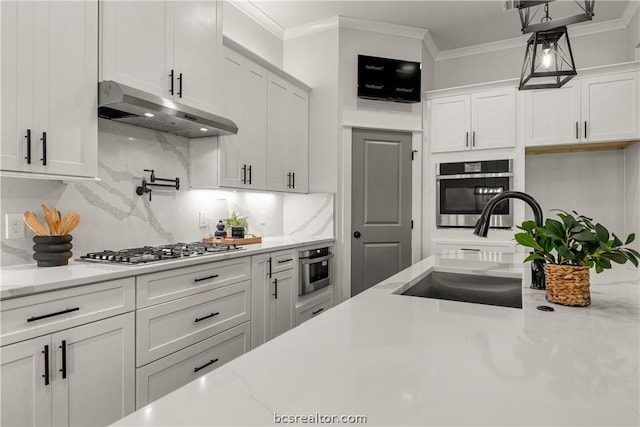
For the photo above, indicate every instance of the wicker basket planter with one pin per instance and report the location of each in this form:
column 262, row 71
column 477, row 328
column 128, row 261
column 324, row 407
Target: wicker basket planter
column 567, row 284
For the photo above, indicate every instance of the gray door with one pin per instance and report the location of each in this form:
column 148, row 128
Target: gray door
column 380, row 206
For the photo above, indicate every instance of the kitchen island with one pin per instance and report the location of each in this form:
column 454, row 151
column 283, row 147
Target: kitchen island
column 402, row 360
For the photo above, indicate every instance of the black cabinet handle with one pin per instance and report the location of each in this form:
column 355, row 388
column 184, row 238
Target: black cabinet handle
column 285, row 260
column 44, row 148
column 317, row 311
column 69, row 310
column 289, row 180
column 171, row 84
column 180, row 85
column 46, row 365
column 466, row 139
column 356, row 234
column 293, row 180
column 470, row 249
column 473, row 139
column 270, row 273
column 577, row 131
column 28, row 156
column 244, row 174
column 199, row 319
column 63, row 347
column 206, row 278
column 275, row 287
column 585, row 129
column 249, row 174
column 210, row 362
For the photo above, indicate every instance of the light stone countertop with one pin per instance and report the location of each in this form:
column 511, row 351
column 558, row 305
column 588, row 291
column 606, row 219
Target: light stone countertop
column 402, row 360
column 23, row 280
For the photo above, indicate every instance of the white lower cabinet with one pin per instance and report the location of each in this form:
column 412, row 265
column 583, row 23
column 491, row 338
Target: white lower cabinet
column 169, row 373
column 282, row 289
column 82, row 376
column 313, row 307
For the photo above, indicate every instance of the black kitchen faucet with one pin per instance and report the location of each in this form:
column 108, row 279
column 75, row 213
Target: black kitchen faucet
column 482, row 228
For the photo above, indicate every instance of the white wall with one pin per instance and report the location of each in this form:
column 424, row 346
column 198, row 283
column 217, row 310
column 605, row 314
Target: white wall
column 591, row 183
column 588, row 51
column 242, row 29
column 633, row 36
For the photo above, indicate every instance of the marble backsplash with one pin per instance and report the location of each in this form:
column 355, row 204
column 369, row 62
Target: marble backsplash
column 115, row 217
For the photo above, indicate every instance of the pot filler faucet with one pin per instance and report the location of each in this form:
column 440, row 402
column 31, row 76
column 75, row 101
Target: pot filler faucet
column 482, row 228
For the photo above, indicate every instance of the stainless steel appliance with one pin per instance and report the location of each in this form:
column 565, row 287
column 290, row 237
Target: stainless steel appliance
column 463, row 188
column 145, row 254
column 315, row 270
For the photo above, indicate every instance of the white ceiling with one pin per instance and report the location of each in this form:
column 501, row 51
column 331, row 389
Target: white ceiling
column 452, row 24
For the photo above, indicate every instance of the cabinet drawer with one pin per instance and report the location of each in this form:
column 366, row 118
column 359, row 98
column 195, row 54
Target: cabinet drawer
column 168, row 327
column 168, row 285
column 283, row 260
column 27, row 317
column 314, row 308
column 440, row 247
column 171, row 372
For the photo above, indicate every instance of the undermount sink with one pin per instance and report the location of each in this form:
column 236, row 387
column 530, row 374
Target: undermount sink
column 492, row 290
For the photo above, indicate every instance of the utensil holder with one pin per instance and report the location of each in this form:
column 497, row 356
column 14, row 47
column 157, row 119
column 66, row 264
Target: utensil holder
column 52, row 251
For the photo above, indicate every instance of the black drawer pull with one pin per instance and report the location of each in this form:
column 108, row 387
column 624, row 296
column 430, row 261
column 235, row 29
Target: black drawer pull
column 198, row 319
column 69, row 310
column 317, row 311
column 63, row 346
column 44, row 146
column 275, row 288
column 28, row 156
column 171, row 87
column 210, row 362
column 470, row 249
column 46, row 365
column 206, row 278
column 285, row 260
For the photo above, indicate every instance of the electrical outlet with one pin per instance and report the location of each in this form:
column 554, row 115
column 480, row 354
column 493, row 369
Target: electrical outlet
column 203, row 218
column 14, row 226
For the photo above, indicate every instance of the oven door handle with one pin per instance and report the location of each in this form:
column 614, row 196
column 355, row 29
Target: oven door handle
column 475, row 175
column 307, row 260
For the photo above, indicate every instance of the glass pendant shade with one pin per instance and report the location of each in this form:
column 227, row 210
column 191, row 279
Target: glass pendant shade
column 548, row 61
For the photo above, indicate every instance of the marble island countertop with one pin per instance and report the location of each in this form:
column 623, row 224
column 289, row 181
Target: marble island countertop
column 400, row 360
column 28, row 279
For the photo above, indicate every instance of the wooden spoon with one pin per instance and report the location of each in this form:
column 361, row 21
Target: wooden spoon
column 51, row 216
column 34, row 224
column 68, row 223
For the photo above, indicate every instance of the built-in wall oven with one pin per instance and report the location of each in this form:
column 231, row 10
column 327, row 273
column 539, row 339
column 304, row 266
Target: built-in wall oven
column 464, row 188
column 315, row 269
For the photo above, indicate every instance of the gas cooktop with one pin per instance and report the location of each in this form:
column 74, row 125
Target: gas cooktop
column 146, row 254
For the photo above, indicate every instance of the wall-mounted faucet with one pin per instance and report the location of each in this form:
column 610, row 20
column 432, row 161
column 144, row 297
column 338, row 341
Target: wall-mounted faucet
column 482, row 228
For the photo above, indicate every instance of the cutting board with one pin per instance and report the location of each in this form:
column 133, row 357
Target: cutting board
column 247, row 240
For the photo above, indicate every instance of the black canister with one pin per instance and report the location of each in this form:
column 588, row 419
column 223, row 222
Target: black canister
column 237, row 232
column 51, row 251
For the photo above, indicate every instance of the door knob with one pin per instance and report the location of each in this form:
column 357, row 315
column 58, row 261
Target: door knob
column 357, row 234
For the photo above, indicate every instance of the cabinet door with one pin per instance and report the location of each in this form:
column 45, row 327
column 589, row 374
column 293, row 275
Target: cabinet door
column 493, row 119
column 17, row 44
column 610, row 107
column 137, row 44
column 26, row 399
column 232, row 97
column 450, row 122
column 66, row 71
column 254, row 138
column 552, row 116
column 277, row 174
column 281, row 313
column 298, row 139
column 195, row 51
column 100, row 367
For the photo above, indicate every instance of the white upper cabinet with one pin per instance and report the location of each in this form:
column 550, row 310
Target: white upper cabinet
column 591, row 109
column 166, row 48
column 472, row 121
column 49, row 91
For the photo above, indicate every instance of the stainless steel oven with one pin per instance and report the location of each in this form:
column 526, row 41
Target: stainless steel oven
column 462, row 190
column 315, row 269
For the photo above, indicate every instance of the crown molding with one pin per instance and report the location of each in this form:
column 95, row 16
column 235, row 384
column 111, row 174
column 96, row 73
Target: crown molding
column 254, row 12
column 318, row 26
column 577, row 31
column 427, row 40
column 382, row 28
column 629, row 12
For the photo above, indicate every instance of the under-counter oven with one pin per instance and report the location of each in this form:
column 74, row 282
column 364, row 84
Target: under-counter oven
column 315, row 269
column 463, row 188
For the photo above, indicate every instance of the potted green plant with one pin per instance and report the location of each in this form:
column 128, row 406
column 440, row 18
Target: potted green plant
column 237, row 222
column 569, row 248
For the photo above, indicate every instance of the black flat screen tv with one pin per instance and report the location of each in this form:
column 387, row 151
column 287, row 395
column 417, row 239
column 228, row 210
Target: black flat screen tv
column 388, row 79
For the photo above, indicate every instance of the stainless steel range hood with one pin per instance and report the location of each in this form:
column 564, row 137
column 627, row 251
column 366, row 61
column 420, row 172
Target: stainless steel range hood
column 125, row 104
